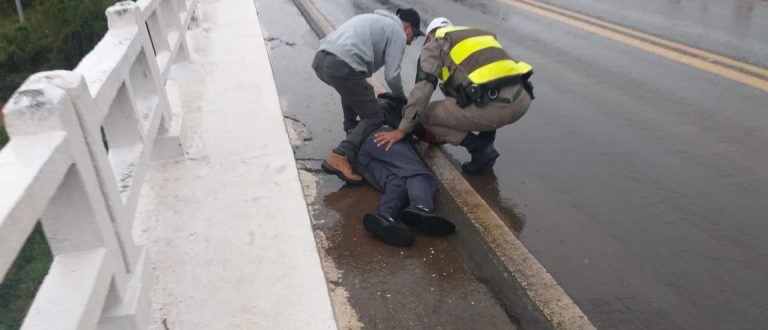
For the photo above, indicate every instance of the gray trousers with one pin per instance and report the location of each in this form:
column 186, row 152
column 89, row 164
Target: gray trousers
column 451, row 123
column 357, row 98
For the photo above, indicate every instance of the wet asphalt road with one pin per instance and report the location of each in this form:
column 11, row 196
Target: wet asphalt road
column 638, row 182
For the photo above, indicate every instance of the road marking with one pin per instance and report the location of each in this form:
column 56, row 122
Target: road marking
column 722, row 66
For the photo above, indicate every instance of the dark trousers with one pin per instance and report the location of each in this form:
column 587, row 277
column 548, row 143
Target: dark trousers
column 357, row 98
column 400, row 192
column 399, row 174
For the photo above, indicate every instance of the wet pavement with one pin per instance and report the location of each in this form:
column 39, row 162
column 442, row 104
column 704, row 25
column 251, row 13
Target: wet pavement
column 638, row 182
column 424, row 286
column 734, row 28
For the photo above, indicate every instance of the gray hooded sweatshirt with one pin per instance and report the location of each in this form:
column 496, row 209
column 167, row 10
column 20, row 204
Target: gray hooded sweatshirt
column 369, row 41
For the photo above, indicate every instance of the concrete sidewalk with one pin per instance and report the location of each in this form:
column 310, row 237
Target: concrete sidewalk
column 227, row 228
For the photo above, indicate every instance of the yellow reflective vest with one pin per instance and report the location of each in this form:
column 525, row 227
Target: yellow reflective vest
column 479, row 54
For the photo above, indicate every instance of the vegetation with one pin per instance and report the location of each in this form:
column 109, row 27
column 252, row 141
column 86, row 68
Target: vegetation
column 56, row 35
column 20, row 285
column 3, row 136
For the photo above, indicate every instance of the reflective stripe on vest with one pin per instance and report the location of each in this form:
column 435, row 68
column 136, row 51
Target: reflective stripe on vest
column 479, row 53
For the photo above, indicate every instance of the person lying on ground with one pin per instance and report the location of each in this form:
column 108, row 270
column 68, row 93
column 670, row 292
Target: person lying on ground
column 407, row 185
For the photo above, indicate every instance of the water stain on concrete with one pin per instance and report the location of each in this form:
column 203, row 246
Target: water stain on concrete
column 425, row 285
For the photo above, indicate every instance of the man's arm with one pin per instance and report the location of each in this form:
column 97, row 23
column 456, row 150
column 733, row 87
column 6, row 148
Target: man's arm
column 431, row 64
column 393, row 57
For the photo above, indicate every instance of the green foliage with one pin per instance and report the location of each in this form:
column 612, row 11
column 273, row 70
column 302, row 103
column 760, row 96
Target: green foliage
column 8, row 7
column 21, row 283
column 57, row 34
column 3, row 136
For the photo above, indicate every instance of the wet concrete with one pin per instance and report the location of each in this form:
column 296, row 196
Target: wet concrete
column 424, row 286
column 638, row 182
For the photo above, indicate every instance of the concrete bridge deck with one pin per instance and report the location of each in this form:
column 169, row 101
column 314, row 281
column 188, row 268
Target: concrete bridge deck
column 227, row 229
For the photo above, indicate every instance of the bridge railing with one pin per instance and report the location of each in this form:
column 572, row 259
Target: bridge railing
column 80, row 144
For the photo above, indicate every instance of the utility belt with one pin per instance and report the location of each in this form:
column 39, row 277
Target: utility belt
column 482, row 95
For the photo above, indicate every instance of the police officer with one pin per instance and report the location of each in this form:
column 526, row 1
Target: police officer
column 484, row 87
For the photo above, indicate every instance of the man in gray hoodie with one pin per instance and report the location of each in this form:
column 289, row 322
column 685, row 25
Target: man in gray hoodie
column 349, row 55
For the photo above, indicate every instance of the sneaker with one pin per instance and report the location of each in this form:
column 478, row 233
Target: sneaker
column 339, row 166
column 426, row 221
column 388, row 230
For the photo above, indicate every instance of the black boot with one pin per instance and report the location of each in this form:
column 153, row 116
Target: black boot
column 482, row 151
column 427, row 221
column 390, row 231
column 489, row 136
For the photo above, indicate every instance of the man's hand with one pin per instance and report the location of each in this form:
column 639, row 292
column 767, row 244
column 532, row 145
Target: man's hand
column 388, row 138
column 392, row 97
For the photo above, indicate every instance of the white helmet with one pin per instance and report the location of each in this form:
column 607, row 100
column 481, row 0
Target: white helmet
column 438, row 23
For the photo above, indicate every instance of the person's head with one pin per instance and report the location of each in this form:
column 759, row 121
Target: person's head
column 436, row 24
column 411, row 23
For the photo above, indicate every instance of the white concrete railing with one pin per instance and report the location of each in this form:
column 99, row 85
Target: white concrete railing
column 80, row 143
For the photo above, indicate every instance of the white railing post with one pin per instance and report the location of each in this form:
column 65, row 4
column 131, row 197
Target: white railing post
column 87, row 269
column 85, row 107
column 147, row 77
column 81, row 143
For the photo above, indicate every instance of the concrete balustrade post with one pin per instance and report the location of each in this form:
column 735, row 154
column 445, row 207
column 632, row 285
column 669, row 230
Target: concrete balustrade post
column 148, row 73
column 75, row 217
column 85, row 107
column 181, row 6
column 169, row 141
column 170, row 13
column 80, row 145
column 190, row 15
column 123, row 17
column 156, row 27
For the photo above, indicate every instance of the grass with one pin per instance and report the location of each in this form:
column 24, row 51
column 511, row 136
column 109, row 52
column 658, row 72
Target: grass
column 8, row 22
column 23, row 279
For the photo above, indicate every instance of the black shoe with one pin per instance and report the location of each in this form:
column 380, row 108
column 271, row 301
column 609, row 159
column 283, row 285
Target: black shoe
column 482, row 151
column 486, row 159
column 427, row 222
column 388, row 230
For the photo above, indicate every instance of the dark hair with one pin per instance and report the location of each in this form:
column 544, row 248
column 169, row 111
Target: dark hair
column 412, row 17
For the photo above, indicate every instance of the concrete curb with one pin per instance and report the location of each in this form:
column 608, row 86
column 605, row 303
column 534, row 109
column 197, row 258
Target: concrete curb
column 530, row 295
